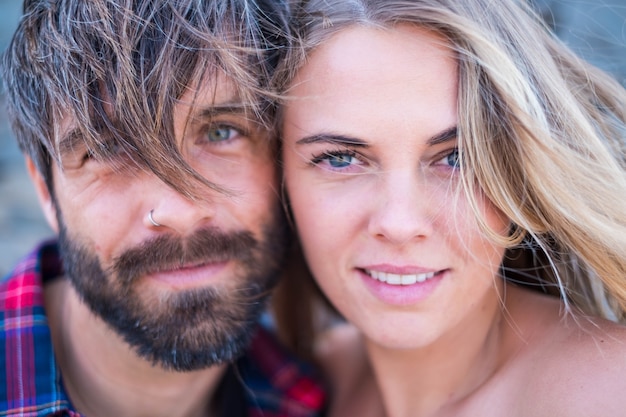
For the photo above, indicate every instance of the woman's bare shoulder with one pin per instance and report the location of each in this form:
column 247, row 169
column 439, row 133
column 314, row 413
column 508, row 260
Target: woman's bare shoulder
column 591, row 343
column 578, row 365
column 562, row 363
column 596, row 346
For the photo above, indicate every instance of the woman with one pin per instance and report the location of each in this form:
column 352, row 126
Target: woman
column 457, row 179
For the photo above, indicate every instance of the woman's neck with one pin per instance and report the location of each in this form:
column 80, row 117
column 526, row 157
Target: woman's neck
column 428, row 380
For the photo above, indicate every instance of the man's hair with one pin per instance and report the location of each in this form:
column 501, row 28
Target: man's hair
column 115, row 69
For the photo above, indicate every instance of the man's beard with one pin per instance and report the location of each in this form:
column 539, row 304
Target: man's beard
column 186, row 329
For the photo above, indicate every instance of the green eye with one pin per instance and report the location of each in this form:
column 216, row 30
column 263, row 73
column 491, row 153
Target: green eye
column 221, row 133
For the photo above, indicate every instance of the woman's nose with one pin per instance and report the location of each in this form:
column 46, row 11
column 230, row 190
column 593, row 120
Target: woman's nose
column 403, row 208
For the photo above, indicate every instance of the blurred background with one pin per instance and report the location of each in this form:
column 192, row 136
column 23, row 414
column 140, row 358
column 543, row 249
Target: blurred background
column 595, row 29
column 21, row 221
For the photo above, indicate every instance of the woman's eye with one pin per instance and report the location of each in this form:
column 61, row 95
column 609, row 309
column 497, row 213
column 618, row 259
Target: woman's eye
column 340, row 161
column 221, row 133
column 337, row 160
column 452, row 159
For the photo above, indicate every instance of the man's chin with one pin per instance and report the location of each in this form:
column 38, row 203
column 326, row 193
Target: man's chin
column 189, row 321
column 193, row 330
column 195, row 350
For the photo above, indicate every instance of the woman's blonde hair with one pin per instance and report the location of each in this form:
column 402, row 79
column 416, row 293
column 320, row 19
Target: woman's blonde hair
column 541, row 133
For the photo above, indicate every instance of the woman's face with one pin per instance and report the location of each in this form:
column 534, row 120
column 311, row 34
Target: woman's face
column 371, row 168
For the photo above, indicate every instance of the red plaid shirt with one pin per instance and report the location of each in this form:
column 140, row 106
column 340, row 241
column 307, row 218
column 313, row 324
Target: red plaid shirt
column 265, row 382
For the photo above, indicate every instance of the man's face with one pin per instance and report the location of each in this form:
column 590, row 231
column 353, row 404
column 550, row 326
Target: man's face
column 186, row 294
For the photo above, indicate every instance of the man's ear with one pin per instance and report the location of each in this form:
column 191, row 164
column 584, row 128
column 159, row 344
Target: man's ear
column 45, row 199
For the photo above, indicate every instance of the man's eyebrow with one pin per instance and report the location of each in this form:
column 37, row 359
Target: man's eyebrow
column 72, row 140
column 333, row 139
column 223, row 109
column 444, row 136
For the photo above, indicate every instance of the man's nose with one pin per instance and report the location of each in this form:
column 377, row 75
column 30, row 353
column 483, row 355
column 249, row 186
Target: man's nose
column 171, row 210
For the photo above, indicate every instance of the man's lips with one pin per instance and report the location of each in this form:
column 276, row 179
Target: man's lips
column 189, row 275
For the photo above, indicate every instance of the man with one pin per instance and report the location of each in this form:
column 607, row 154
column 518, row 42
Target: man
column 145, row 133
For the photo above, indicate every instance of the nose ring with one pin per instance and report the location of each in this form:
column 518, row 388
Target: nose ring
column 154, row 223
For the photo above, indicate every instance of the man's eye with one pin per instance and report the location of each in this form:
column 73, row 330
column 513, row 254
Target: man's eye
column 221, row 133
column 88, row 155
column 106, row 150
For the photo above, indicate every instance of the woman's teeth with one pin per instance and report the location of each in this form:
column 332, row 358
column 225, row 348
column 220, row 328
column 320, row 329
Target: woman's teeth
column 397, row 279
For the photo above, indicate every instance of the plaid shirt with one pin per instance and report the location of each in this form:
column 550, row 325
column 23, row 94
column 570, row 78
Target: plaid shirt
column 265, row 382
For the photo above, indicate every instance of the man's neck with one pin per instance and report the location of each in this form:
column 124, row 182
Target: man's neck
column 103, row 376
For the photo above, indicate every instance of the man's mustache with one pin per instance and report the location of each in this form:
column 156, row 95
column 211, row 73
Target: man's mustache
column 168, row 252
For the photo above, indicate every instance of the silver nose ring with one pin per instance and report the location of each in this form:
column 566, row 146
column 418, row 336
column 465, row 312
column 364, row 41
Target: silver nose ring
column 154, row 223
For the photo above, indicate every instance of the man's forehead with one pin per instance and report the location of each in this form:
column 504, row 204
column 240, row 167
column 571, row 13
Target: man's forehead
column 214, row 88
column 214, row 95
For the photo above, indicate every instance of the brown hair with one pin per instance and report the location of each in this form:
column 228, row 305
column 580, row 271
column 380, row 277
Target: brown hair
column 115, row 69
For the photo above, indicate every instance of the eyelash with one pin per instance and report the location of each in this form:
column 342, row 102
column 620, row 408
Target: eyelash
column 235, row 132
column 447, row 154
column 114, row 150
column 324, row 157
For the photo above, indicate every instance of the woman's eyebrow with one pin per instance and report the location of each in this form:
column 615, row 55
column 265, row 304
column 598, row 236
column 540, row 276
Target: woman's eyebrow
column 332, row 138
column 444, row 136
column 336, row 139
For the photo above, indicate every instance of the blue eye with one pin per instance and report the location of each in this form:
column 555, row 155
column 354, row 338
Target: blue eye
column 337, row 160
column 340, row 160
column 221, row 133
column 453, row 159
